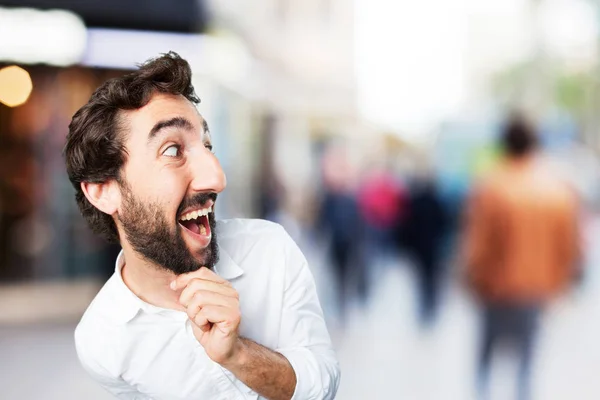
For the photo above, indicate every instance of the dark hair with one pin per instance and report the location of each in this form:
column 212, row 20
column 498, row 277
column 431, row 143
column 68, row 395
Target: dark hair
column 95, row 150
column 519, row 137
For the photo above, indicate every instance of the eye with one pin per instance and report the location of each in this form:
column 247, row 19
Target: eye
column 209, row 146
column 171, row 151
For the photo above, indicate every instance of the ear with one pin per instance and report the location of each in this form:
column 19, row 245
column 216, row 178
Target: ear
column 105, row 196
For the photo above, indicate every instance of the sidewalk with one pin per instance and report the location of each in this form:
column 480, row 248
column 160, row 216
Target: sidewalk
column 45, row 301
column 382, row 352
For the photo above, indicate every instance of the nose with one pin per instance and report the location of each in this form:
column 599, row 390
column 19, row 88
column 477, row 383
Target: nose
column 207, row 174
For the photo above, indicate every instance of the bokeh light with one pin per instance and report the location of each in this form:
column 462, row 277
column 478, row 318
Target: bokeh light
column 15, row 86
column 30, row 36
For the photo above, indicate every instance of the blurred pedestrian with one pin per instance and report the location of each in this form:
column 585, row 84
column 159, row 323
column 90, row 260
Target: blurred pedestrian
column 521, row 248
column 381, row 201
column 422, row 233
column 339, row 219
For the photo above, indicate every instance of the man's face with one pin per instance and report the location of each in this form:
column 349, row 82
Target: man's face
column 170, row 184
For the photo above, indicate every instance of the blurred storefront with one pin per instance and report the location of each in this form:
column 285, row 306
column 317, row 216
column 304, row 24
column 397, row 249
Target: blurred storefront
column 42, row 235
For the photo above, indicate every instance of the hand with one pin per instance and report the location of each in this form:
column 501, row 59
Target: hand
column 212, row 305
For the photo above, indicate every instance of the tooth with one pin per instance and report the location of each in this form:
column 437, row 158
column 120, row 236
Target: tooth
column 194, row 214
column 205, row 211
column 210, row 209
column 184, row 218
column 202, row 230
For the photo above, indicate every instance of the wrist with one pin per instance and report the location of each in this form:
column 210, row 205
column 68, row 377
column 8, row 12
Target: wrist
column 238, row 355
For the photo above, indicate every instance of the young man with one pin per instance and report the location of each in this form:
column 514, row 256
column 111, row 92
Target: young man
column 521, row 247
column 185, row 316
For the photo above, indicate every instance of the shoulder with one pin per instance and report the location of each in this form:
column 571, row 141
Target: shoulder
column 108, row 306
column 482, row 187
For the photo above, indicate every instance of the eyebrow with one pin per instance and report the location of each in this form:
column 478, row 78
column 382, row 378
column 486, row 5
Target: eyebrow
column 176, row 122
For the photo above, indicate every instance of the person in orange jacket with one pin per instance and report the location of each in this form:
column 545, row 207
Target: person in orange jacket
column 521, row 247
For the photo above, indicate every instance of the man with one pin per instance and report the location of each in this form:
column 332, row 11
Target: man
column 521, row 247
column 184, row 317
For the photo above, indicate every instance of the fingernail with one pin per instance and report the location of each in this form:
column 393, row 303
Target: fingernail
column 172, row 285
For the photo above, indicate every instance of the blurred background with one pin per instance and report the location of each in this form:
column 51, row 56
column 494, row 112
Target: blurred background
column 359, row 125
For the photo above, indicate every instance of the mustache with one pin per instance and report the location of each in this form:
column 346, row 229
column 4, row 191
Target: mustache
column 197, row 200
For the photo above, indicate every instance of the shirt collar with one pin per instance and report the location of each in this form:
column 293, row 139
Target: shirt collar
column 128, row 304
column 226, row 268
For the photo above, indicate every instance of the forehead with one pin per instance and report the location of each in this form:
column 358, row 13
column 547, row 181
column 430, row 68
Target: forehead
column 161, row 107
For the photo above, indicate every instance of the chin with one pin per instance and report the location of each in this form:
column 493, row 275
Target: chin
column 201, row 256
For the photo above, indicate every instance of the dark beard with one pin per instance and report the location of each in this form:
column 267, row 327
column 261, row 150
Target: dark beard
column 149, row 234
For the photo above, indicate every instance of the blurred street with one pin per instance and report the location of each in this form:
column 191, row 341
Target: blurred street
column 382, row 352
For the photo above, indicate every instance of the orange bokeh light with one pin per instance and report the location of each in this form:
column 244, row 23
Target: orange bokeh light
column 15, row 86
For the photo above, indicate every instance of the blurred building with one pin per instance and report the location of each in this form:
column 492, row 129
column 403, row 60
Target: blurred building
column 302, row 78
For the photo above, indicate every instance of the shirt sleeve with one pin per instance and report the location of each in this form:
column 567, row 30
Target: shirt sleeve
column 569, row 239
column 114, row 385
column 304, row 339
column 477, row 237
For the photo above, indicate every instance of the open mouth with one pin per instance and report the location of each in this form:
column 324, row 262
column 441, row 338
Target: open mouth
column 197, row 221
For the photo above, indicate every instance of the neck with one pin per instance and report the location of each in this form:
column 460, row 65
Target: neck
column 521, row 159
column 148, row 281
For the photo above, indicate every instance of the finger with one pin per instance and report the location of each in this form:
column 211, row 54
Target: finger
column 202, row 273
column 196, row 285
column 201, row 322
column 204, row 298
column 226, row 318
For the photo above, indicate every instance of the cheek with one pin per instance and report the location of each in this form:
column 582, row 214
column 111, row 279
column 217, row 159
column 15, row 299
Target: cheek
column 165, row 186
column 169, row 189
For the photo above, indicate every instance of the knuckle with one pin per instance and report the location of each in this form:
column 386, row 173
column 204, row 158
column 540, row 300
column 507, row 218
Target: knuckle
column 199, row 296
column 199, row 316
column 237, row 317
column 196, row 282
column 199, row 320
column 204, row 272
column 192, row 312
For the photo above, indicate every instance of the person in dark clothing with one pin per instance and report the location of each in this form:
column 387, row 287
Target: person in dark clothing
column 340, row 219
column 339, row 223
column 422, row 235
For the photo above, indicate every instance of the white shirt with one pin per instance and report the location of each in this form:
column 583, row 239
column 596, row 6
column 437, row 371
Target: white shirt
column 139, row 351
